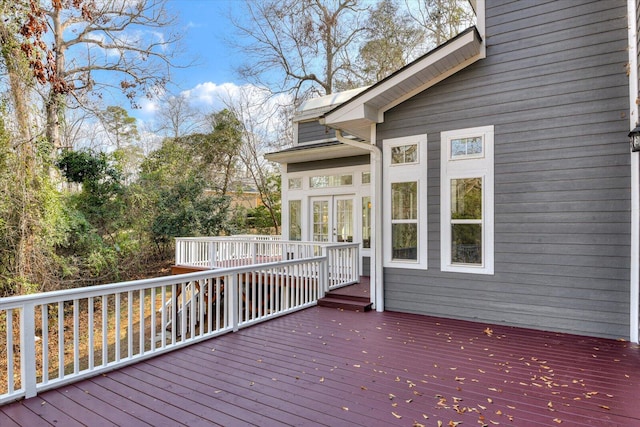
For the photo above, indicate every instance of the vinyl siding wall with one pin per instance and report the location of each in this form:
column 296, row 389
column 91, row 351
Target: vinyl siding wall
column 313, row 131
column 555, row 88
column 328, row 163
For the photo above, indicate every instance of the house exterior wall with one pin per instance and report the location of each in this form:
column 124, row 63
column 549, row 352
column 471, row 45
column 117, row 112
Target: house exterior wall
column 329, row 163
column 555, row 88
column 313, row 131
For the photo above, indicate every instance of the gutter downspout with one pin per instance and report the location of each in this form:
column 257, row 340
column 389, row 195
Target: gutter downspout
column 376, row 286
column 634, row 273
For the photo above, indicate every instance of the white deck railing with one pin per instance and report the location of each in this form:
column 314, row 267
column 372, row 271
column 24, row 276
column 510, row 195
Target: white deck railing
column 55, row 338
column 221, row 252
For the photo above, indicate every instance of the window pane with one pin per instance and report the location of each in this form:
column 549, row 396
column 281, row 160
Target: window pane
column 404, row 154
column 466, row 243
column 321, row 221
column 295, row 211
column 404, row 239
column 461, row 147
column 344, row 220
column 346, row 179
column 295, row 183
column 366, row 177
column 404, row 200
column 466, row 198
column 366, row 222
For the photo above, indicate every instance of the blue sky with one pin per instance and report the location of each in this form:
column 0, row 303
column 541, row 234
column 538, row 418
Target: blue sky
column 206, row 25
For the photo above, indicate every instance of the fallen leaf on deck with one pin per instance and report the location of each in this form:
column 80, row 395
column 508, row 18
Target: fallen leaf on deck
column 396, row 415
column 439, row 423
column 321, row 379
column 394, row 404
column 362, row 387
column 488, row 332
column 557, row 420
column 489, row 400
column 605, row 407
column 417, row 424
column 391, row 396
column 344, row 408
column 454, row 423
column 408, row 400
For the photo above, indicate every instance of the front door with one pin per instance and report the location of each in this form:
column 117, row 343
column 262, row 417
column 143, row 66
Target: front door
column 332, row 219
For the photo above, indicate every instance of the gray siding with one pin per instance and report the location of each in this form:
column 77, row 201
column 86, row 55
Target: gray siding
column 313, row 132
column 329, row 163
column 555, row 88
column 366, row 266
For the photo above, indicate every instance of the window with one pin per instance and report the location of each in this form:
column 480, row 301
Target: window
column 323, row 181
column 366, row 222
column 404, row 221
column 366, row 177
column 466, row 147
column 405, row 196
column 467, row 223
column 404, row 154
column 295, row 220
column 295, row 183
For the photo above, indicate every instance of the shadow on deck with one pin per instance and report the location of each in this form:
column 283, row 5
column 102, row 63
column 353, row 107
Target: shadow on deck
column 338, row 368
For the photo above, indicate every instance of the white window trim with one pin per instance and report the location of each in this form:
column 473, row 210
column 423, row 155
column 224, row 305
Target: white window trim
column 406, row 172
column 467, row 167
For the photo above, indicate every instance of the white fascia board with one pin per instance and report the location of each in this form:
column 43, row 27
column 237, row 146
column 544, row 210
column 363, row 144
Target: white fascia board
column 355, row 109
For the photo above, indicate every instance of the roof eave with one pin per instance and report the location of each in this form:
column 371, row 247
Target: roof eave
column 358, row 114
column 311, row 153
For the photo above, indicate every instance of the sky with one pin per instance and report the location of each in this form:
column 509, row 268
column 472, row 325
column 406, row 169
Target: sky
column 206, row 27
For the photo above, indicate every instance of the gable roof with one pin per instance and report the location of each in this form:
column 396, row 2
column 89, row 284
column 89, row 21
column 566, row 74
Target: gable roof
column 356, row 115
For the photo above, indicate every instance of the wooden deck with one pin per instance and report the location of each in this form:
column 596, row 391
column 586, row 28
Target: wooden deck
column 330, row 367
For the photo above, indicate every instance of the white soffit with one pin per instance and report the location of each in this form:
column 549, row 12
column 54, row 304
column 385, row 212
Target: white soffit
column 356, row 116
column 311, row 153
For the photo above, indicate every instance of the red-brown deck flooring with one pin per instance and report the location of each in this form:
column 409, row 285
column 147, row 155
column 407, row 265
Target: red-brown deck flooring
column 329, row 367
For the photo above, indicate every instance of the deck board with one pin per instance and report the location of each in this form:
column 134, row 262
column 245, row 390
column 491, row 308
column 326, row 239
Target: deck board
column 330, row 367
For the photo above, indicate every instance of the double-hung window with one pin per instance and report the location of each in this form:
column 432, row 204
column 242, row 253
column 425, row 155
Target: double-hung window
column 467, row 201
column 405, row 195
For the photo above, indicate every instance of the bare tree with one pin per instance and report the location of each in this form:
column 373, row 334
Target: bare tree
column 256, row 115
column 392, row 39
column 442, row 19
column 177, row 117
column 97, row 46
column 298, row 46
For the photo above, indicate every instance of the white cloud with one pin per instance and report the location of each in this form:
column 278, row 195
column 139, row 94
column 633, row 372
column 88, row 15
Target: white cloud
column 209, row 95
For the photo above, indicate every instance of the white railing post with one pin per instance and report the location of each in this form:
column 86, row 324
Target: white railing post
column 235, row 302
column 212, row 254
column 27, row 350
column 326, row 284
column 178, row 258
column 322, row 278
column 254, row 252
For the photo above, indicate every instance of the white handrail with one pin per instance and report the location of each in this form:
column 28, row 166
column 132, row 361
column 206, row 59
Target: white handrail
column 221, row 252
column 46, row 344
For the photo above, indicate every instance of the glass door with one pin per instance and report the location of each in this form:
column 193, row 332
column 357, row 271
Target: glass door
column 343, row 214
column 332, row 219
column 320, row 220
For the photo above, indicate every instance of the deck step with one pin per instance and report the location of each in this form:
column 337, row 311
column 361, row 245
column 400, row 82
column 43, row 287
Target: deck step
column 345, row 302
